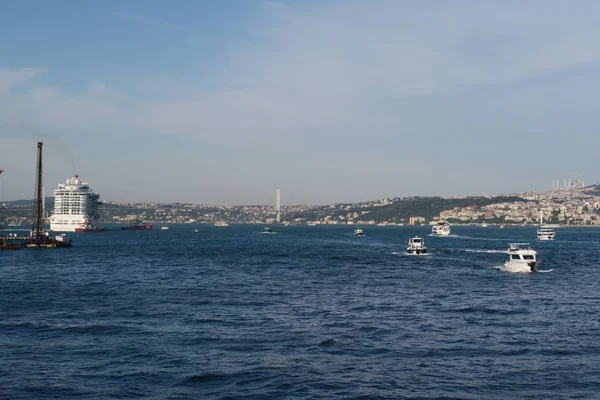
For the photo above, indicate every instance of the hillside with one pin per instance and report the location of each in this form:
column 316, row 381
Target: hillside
column 429, row 207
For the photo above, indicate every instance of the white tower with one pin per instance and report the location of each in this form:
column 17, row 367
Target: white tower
column 278, row 204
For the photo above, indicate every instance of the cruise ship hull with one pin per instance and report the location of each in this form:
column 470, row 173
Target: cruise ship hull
column 67, row 223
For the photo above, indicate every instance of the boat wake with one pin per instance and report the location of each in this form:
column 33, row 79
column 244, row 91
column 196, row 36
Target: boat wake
column 403, row 253
column 504, row 269
column 444, row 236
column 473, row 238
column 485, row 251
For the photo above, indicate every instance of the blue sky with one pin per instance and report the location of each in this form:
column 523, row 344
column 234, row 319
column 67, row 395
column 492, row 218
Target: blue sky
column 225, row 101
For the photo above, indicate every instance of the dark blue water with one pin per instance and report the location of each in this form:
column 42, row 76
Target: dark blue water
column 306, row 313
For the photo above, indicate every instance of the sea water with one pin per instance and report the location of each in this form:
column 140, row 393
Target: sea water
column 310, row 312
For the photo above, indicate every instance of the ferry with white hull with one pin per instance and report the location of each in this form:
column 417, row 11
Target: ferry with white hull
column 75, row 205
column 545, row 232
column 442, row 228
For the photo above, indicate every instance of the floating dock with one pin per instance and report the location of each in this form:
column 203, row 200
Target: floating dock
column 5, row 245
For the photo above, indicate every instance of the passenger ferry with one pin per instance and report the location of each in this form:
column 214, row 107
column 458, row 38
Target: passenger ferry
column 75, row 205
column 521, row 258
column 545, row 232
column 442, row 228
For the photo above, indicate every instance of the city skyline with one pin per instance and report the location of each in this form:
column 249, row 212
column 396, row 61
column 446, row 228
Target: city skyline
column 335, row 101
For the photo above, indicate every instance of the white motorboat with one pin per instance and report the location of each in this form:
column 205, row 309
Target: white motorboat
column 164, row 228
column 221, row 223
column 196, row 230
column 521, row 258
column 416, row 245
column 545, row 232
column 267, row 230
column 359, row 232
column 442, row 228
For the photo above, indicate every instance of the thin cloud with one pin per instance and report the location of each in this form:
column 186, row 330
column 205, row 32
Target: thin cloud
column 16, row 77
column 373, row 82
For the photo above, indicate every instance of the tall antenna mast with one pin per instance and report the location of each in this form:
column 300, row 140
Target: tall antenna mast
column 278, row 204
column 38, row 214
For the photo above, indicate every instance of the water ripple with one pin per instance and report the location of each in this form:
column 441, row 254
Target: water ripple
column 307, row 313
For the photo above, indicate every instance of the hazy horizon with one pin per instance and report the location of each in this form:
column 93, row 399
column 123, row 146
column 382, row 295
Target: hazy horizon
column 331, row 101
column 49, row 195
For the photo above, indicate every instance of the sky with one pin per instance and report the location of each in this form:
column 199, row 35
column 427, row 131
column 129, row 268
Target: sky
column 225, row 101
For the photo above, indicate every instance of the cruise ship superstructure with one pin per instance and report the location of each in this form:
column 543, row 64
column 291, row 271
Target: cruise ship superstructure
column 75, row 206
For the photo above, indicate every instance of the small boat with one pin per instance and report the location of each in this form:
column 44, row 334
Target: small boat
column 137, row 226
column 484, row 225
column 416, row 245
column 501, row 226
column 359, row 232
column 90, row 229
column 195, row 230
column 521, row 258
column 87, row 227
column 267, row 230
column 442, row 228
column 545, row 232
column 221, row 223
column 164, row 228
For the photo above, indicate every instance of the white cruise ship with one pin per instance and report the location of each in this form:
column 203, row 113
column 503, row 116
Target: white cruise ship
column 75, row 206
